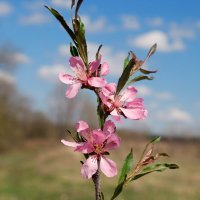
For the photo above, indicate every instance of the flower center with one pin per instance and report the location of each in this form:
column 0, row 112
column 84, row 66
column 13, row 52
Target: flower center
column 117, row 102
column 98, row 148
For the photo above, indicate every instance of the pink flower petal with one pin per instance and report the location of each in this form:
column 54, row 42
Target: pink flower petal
column 81, row 126
column 135, row 113
column 78, row 67
column 94, row 65
column 136, row 103
column 108, row 167
column 98, row 136
column 104, row 69
column 66, row 78
column 128, row 94
column 109, row 127
column 70, row 144
column 72, row 90
column 89, row 168
column 117, row 118
column 97, row 82
column 109, row 89
column 115, row 115
column 74, row 61
column 113, row 142
column 85, row 147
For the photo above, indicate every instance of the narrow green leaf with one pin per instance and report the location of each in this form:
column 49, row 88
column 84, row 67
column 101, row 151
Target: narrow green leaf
column 155, row 168
column 117, row 191
column 102, row 196
column 126, row 60
column 163, row 154
column 78, row 5
column 155, row 140
column 73, row 137
column 73, row 50
column 79, row 138
column 128, row 164
column 144, row 71
column 125, row 76
column 152, row 50
column 60, row 18
column 140, row 78
column 172, row 166
column 97, row 53
column 79, row 30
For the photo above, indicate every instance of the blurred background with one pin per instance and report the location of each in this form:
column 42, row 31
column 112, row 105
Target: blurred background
column 34, row 113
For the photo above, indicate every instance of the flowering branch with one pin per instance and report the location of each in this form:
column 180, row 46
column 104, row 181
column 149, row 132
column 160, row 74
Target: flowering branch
column 113, row 100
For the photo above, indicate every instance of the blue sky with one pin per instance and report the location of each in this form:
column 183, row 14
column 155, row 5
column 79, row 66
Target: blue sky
column 41, row 51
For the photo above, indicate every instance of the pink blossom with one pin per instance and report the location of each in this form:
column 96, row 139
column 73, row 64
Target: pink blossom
column 125, row 104
column 97, row 144
column 84, row 77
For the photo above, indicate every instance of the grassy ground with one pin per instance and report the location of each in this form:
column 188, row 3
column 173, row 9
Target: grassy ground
column 50, row 171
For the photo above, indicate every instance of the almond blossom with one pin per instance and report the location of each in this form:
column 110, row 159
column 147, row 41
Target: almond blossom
column 83, row 76
column 125, row 104
column 96, row 144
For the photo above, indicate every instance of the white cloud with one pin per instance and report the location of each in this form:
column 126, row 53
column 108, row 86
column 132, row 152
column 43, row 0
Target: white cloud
column 5, row 8
column 164, row 41
column 130, row 22
column 50, row 72
column 164, row 96
column 180, row 32
column 155, row 22
column 20, row 58
column 6, row 77
column 175, row 115
column 34, row 19
column 64, row 50
column 13, row 58
column 96, row 25
column 62, row 3
column 146, row 91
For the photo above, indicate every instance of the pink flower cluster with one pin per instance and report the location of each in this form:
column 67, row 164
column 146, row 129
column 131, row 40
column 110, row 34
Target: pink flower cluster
column 125, row 104
column 84, row 77
column 96, row 143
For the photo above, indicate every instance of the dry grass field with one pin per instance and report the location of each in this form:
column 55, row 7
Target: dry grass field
column 46, row 170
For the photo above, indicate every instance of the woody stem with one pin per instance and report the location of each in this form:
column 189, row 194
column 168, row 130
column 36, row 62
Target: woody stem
column 96, row 180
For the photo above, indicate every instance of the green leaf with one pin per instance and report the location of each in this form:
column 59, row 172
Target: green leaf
column 140, row 78
column 155, row 168
column 144, row 71
column 126, row 60
column 97, row 53
column 78, row 5
column 79, row 30
column 117, row 191
column 102, row 196
column 60, row 18
column 72, row 136
column 152, row 50
column 125, row 75
column 73, row 50
column 128, row 164
column 155, row 140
